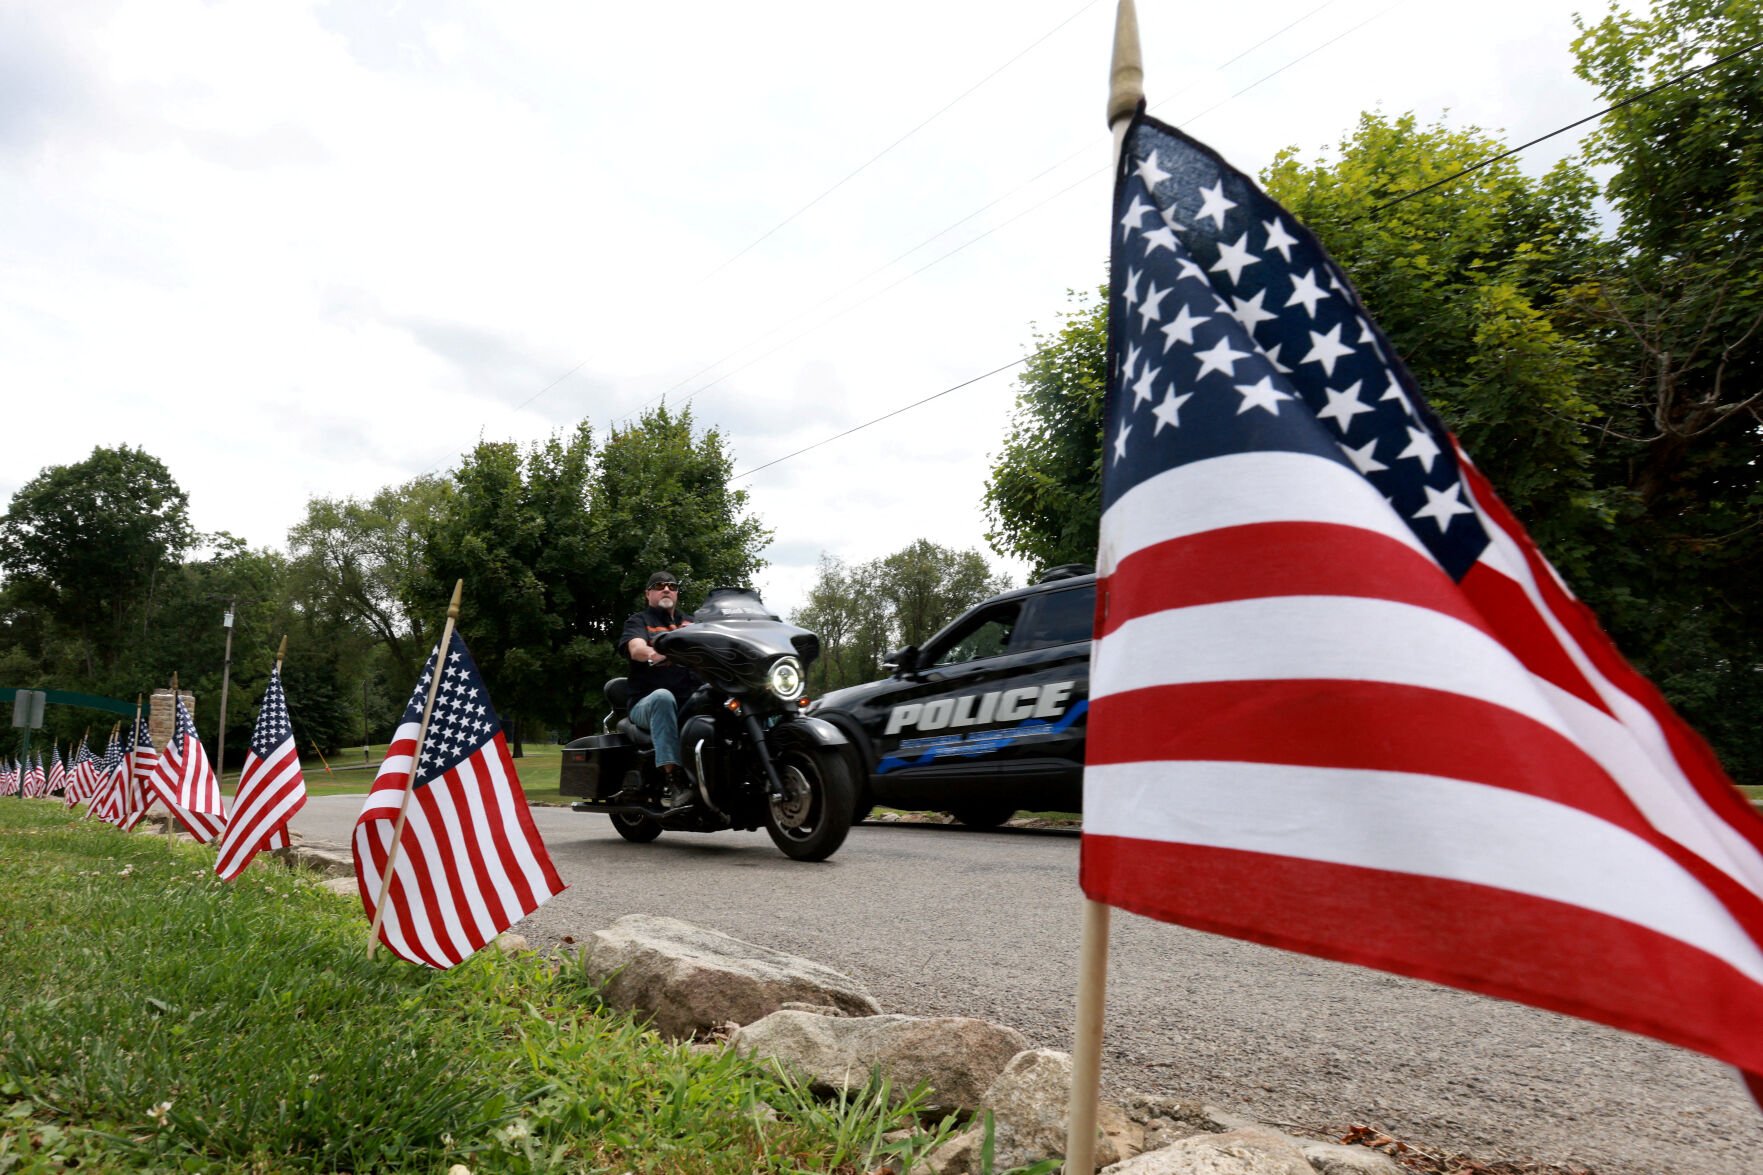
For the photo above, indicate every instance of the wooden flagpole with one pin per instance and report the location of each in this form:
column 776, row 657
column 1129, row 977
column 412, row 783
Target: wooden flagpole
column 1126, row 89
column 422, row 733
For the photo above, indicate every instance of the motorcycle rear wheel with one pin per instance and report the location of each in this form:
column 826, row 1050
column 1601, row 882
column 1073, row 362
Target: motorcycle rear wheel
column 811, row 822
column 636, row 828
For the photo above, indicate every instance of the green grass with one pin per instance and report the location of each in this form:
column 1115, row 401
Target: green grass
column 159, row 1019
column 1753, row 792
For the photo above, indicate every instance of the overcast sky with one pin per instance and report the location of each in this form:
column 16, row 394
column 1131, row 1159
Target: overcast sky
column 298, row 249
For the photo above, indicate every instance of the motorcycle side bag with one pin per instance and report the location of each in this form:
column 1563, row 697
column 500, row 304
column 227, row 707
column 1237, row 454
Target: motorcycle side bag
column 594, row 767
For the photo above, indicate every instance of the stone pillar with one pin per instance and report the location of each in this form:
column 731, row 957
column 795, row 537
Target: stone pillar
column 164, row 715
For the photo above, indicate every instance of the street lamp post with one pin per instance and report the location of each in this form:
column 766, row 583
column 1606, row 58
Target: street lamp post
column 226, row 673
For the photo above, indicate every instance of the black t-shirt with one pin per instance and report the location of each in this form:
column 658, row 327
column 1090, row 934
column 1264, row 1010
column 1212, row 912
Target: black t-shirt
column 645, row 679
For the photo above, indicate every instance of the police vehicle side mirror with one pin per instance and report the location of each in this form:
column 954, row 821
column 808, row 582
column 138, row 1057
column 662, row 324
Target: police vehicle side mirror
column 903, row 661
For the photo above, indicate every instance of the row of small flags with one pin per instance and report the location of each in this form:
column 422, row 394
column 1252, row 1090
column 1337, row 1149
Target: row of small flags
column 35, row 782
column 123, row 784
column 447, row 855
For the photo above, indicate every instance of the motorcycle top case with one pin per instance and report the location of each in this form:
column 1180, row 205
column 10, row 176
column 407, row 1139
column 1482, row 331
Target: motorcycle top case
column 594, row 767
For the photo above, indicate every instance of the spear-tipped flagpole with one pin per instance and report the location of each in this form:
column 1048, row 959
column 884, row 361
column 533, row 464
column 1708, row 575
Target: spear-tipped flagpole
column 1126, row 89
column 422, row 733
column 281, row 653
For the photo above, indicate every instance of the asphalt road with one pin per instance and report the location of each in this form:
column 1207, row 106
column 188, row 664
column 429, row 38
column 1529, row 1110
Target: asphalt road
column 940, row 920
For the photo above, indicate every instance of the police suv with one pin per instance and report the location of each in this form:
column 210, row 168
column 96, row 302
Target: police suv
column 987, row 718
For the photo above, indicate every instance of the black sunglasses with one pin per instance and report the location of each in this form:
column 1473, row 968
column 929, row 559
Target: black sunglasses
column 664, row 587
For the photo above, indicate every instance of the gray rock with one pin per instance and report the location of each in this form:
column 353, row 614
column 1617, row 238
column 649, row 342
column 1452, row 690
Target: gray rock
column 957, row 1056
column 342, row 886
column 1250, row 1151
column 1030, row 1104
column 687, row 979
column 1329, row 1158
column 320, row 859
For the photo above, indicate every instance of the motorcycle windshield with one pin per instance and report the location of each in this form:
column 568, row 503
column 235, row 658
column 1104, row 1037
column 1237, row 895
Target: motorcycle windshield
column 733, row 640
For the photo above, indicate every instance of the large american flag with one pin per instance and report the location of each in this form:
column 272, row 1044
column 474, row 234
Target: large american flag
column 1340, row 703
column 185, row 780
column 470, row 863
column 271, row 787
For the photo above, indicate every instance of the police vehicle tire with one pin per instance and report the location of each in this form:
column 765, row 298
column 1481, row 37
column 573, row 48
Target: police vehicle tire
column 982, row 815
column 811, row 823
column 637, row 829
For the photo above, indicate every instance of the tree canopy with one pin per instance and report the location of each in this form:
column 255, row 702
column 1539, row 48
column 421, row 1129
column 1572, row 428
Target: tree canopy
column 85, row 546
column 863, row 613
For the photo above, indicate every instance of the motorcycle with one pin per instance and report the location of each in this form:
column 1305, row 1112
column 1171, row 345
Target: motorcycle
column 753, row 756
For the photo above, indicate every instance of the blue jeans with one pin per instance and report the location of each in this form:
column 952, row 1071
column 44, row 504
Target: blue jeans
column 658, row 713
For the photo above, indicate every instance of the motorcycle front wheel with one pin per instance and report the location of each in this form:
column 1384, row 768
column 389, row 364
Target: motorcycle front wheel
column 810, row 822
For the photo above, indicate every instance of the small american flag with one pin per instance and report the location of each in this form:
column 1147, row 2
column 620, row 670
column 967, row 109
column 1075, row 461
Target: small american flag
column 57, row 773
column 108, row 781
column 1340, row 703
column 9, row 779
column 36, row 783
column 142, row 759
column 271, row 788
column 83, row 777
column 470, row 863
column 186, row 782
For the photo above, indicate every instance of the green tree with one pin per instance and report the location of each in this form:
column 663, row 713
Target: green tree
column 845, row 611
column 87, row 545
column 516, row 530
column 1680, row 311
column 1474, row 283
column 554, row 543
column 863, row 613
column 662, row 499
column 364, row 562
column 1044, row 495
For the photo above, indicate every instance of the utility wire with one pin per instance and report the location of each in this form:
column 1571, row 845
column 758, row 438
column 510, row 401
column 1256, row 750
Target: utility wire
column 860, row 167
column 879, row 419
column 1562, row 130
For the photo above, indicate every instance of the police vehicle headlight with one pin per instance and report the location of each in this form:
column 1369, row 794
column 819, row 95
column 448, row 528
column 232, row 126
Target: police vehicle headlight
column 784, row 678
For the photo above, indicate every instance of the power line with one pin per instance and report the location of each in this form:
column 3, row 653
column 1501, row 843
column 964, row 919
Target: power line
column 879, row 419
column 860, row 167
column 1562, row 130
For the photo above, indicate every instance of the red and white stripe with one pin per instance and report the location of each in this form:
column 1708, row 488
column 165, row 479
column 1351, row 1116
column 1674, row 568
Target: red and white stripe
column 1303, row 733
column 271, row 790
column 83, row 779
column 470, row 864
column 186, row 781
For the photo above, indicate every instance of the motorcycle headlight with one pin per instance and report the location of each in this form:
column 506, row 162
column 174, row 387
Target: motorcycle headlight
column 785, row 679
